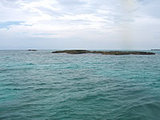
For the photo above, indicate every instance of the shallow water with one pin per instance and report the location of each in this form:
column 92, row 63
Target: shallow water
column 44, row 86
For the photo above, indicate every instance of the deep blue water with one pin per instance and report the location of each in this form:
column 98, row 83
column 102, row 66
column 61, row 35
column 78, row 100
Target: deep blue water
column 44, row 86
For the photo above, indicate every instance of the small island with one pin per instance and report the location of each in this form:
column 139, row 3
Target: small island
column 32, row 50
column 105, row 52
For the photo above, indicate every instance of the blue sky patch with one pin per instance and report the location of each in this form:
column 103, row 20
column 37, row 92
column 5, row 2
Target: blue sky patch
column 9, row 23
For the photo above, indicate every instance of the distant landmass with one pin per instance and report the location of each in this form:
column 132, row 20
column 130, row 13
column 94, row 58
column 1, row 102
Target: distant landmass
column 105, row 52
column 32, row 50
column 155, row 49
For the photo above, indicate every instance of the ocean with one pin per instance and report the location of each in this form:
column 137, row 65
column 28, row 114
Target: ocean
column 39, row 85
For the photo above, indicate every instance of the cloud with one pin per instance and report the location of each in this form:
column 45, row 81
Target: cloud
column 85, row 20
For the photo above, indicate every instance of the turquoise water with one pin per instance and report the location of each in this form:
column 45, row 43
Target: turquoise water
column 44, row 86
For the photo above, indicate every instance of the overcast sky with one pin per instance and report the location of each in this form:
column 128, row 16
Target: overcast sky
column 79, row 24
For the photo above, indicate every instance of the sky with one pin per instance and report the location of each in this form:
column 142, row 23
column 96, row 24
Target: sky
column 79, row 24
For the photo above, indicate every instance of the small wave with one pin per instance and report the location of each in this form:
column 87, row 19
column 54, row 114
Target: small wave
column 144, row 111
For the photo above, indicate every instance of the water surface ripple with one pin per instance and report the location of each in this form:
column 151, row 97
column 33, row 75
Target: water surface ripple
column 44, row 86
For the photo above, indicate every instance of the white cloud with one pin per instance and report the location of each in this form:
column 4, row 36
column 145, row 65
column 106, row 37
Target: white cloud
column 90, row 20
